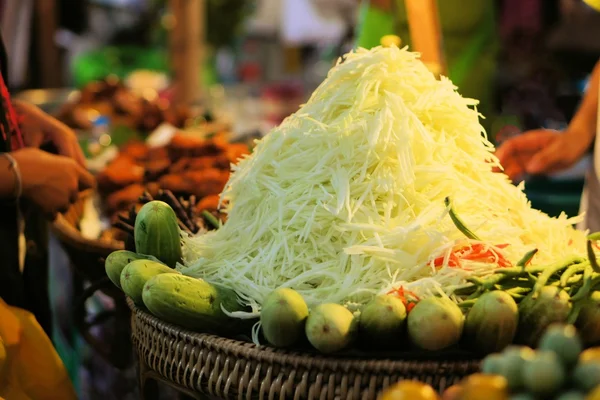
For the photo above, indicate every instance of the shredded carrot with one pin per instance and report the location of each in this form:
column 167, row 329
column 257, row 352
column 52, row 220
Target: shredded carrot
column 402, row 293
column 475, row 252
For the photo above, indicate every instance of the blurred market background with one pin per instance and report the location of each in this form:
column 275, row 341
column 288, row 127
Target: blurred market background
column 123, row 70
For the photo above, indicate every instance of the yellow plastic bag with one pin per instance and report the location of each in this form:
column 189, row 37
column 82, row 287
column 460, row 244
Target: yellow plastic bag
column 30, row 368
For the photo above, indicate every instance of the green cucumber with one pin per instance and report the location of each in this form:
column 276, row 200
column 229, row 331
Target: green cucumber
column 191, row 303
column 157, row 233
column 135, row 275
column 117, row 260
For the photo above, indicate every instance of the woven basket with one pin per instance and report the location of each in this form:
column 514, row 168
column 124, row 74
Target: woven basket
column 86, row 255
column 230, row 369
column 87, row 259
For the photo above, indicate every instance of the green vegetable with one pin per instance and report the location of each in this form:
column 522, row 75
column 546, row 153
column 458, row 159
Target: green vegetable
column 210, row 219
column 526, row 258
column 537, row 313
column 492, row 364
column 117, row 260
column 330, row 328
column 552, row 269
column 570, row 395
column 492, row 322
column 587, row 375
column 562, row 340
column 587, row 284
column 191, row 303
column 588, row 321
column 594, row 236
column 435, row 323
column 283, row 316
column 157, row 232
column 458, row 222
column 573, row 269
column 513, row 361
column 543, row 374
column 522, row 396
column 592, row 256
column 135, row 275
column 382, row 321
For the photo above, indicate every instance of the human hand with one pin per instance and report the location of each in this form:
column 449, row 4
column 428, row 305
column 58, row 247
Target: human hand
column 51, row 182
column 540, row 151
column 38, row 127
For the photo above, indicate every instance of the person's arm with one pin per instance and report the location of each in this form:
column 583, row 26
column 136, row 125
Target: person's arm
column 8, row 179
column 583, row 124
column 544, row 151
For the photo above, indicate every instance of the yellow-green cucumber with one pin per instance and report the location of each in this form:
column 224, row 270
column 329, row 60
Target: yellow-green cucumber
column 136, row 273
column 117, row 260
column 156, row 232
column 191, row 303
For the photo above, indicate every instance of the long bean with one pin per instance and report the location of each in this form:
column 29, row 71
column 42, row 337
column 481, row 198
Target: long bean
column 594, row 236
column 574, row 313
column 553, row 269
column 458, row 222
column 526, row 258
column 573, row 269
column 592, row 256
column 587, row 285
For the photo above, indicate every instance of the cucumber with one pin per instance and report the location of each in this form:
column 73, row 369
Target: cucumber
column 492, row 322
column 117, row 260
column 382, row 321
column 435, row 323
column 330, row 328
column 538, row 311
column 191, row 303
column 283, row 316
column 136, row 273
column 156, row 232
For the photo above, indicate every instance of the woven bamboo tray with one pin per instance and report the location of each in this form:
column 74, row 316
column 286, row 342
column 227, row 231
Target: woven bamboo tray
column 87, row 260
column 231, row 369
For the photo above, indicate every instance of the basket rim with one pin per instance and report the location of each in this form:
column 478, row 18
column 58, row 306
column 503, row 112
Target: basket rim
column 293, row 358
column 66, row 232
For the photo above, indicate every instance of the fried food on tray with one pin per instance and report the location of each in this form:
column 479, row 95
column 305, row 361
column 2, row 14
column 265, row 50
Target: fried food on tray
column 191, row 146
column 175, row 183
column 123, row 171
column 136, row 150
column 193, row 168
column 156, row 167
column 110, row 98
column 235, row 151
column 206, row 182
column 121, row 199
column 208, row 203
